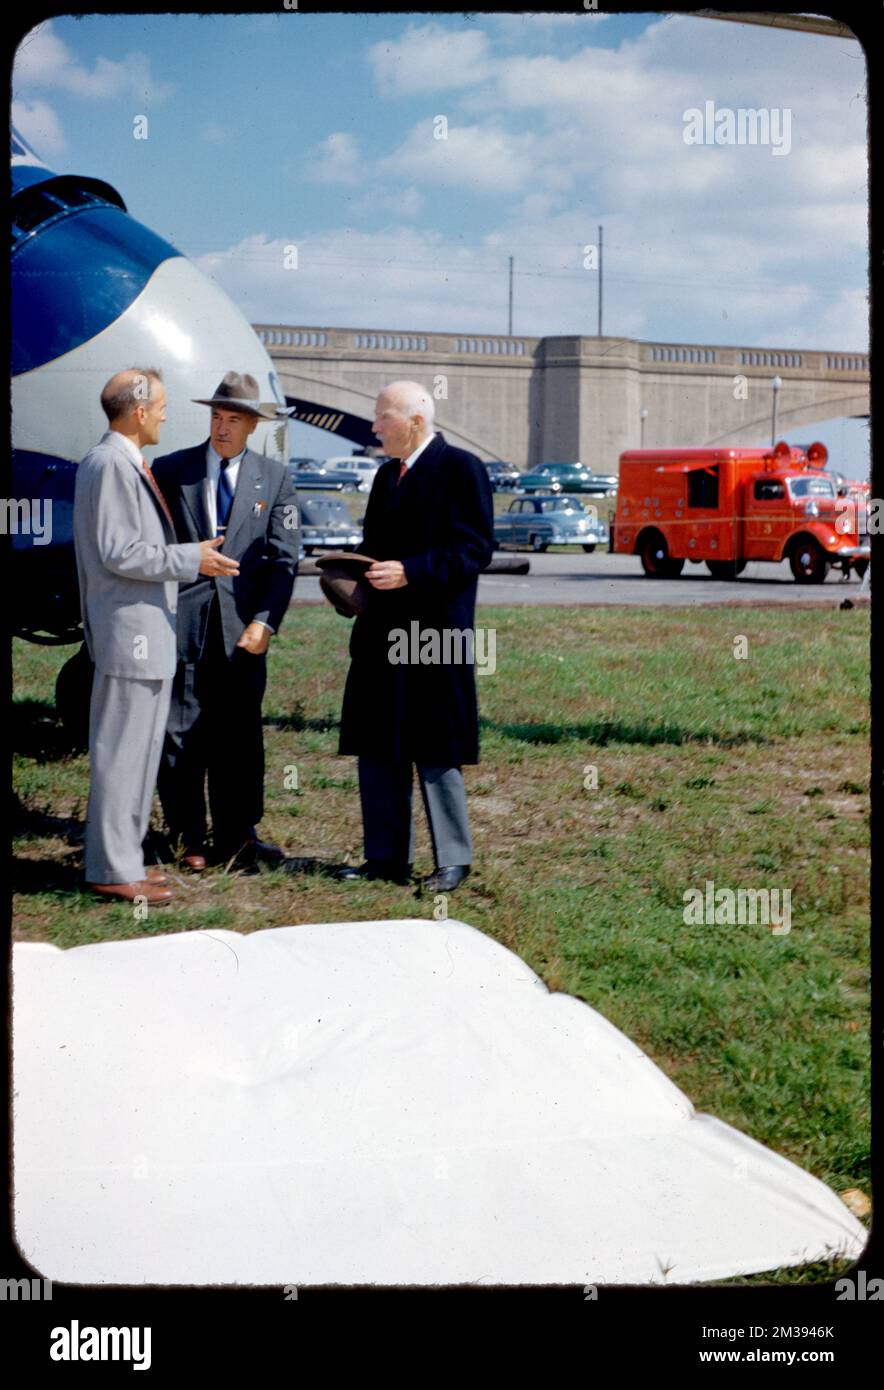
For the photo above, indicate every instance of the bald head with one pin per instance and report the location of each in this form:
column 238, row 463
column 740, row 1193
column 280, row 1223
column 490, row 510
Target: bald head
column 404, row 416
column 134, row 402
column 128, row 389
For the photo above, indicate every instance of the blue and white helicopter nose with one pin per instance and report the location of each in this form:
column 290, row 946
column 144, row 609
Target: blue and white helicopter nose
column 94, row 291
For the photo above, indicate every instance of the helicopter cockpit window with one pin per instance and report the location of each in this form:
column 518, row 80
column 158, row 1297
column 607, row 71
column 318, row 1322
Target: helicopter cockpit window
column 35, row 206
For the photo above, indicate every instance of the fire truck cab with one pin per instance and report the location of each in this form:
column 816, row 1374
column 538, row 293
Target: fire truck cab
column 729, row 506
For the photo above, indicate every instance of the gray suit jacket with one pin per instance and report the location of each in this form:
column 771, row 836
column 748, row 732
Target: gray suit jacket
column 263, row 534
column 128, row 565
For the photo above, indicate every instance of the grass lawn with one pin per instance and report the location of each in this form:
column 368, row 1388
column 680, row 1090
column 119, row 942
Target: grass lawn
column 626, row 759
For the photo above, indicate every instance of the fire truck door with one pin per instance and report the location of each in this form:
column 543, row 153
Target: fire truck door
column 767, row 516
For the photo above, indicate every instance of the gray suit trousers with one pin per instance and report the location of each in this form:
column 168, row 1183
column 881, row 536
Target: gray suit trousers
column 388, row 828
column 127, row 723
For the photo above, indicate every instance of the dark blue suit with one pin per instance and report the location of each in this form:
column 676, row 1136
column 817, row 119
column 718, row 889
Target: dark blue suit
column 439, row 521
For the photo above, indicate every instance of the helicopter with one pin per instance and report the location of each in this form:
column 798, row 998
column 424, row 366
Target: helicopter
column 94, row 291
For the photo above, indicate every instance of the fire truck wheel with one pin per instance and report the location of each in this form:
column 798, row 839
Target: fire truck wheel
column 654, row 555
column 808, row 561
column 725, row 569
column 860, row 567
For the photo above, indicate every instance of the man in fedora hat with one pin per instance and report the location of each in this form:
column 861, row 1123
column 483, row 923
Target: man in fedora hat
column 223, row 488
column 430, row 526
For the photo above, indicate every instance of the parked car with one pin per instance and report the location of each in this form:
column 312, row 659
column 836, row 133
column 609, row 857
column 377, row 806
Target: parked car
column 362, row 465
column 503, row 477
column 311, row 474
column 326, row 525
column 569, row 477
column 538, row 522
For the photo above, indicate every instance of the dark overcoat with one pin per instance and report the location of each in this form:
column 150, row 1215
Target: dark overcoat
column 439, row 521
column 262, row 534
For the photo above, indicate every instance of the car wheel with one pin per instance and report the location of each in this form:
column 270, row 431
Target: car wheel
column 656, row 560
column 588, row 549
column 808, row 561
column 725, row 569
column 539, row 545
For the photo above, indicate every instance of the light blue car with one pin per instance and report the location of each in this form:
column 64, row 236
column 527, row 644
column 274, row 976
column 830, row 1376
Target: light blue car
column 535, row 523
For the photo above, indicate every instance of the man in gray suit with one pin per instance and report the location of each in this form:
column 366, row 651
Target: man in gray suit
column 129, row 566
column 215, row 735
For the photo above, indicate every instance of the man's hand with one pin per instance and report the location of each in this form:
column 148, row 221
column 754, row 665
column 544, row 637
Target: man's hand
column 387, row 574
column 255, row 639
column 212, row 562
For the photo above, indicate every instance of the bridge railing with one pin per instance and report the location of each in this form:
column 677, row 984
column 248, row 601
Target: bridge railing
column 282, row 336
column 502, row 345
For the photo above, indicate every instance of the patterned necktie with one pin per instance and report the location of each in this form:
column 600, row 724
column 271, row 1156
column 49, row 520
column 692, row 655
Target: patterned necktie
column 155, row 489
column 224, row 500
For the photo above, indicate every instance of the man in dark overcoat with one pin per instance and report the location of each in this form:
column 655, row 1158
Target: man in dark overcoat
column 429, row 527
column 221, row 487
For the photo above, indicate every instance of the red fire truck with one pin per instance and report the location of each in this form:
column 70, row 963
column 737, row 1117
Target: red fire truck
column 729, row 506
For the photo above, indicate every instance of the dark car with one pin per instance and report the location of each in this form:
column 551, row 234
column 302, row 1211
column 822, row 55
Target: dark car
column 326, row 525
column 503, row 477
column 569, row 477
column 310, row 474
column 535, row 523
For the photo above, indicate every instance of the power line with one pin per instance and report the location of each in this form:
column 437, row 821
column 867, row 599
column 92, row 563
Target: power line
column 619, row 276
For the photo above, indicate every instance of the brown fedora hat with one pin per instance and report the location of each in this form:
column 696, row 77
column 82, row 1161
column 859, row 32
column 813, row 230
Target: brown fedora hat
column 240, row 392
column 343, row 582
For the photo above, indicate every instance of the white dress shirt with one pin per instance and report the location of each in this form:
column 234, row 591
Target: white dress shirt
column 130, row 446
column 415, row 455
column 213, row 470
column 210, row 486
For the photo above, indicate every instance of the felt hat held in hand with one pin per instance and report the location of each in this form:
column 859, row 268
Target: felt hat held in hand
column 343, row 580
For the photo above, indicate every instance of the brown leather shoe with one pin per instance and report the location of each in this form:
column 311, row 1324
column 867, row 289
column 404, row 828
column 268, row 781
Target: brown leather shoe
column 157, row 876
column 154, row 894
column 193, row 859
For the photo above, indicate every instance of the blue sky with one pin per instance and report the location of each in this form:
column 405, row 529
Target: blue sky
column 318, row 131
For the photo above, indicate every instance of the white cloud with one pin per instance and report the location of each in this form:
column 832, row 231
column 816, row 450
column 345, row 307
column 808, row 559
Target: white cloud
column 485, row 158
column 44, row 60
column 337, row 160
column 429, row 58
column 40, row 126
column 702, row 244
column 214, row 134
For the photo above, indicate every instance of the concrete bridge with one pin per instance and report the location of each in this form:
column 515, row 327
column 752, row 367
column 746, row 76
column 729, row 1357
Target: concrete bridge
column 535, row 400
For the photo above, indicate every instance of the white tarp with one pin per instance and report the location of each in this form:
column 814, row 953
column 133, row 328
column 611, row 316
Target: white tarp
column 369, row 1102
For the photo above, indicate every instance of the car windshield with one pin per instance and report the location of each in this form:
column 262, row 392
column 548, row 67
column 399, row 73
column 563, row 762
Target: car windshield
column 562, row 504
column 811, row 487
column 324, row 510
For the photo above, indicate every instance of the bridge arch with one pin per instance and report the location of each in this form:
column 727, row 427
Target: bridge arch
column 313, row 397
column 855, row 405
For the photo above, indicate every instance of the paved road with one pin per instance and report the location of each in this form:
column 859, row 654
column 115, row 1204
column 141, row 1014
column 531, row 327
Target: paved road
column 563, row 578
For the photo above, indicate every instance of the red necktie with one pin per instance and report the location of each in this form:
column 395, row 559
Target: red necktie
column 156, row 491
column 403, row 469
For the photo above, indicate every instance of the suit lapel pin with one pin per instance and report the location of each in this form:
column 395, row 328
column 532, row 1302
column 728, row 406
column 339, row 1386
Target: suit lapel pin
column 258, row 508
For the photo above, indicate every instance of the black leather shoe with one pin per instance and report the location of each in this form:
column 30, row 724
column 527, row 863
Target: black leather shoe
column 391, row 871
column 446, row 879
column 252, row 852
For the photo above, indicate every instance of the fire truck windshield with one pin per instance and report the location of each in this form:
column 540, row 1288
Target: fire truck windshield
column 811, row 487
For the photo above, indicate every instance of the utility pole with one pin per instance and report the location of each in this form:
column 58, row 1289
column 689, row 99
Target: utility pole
column 510, row 328
column 600, row 281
